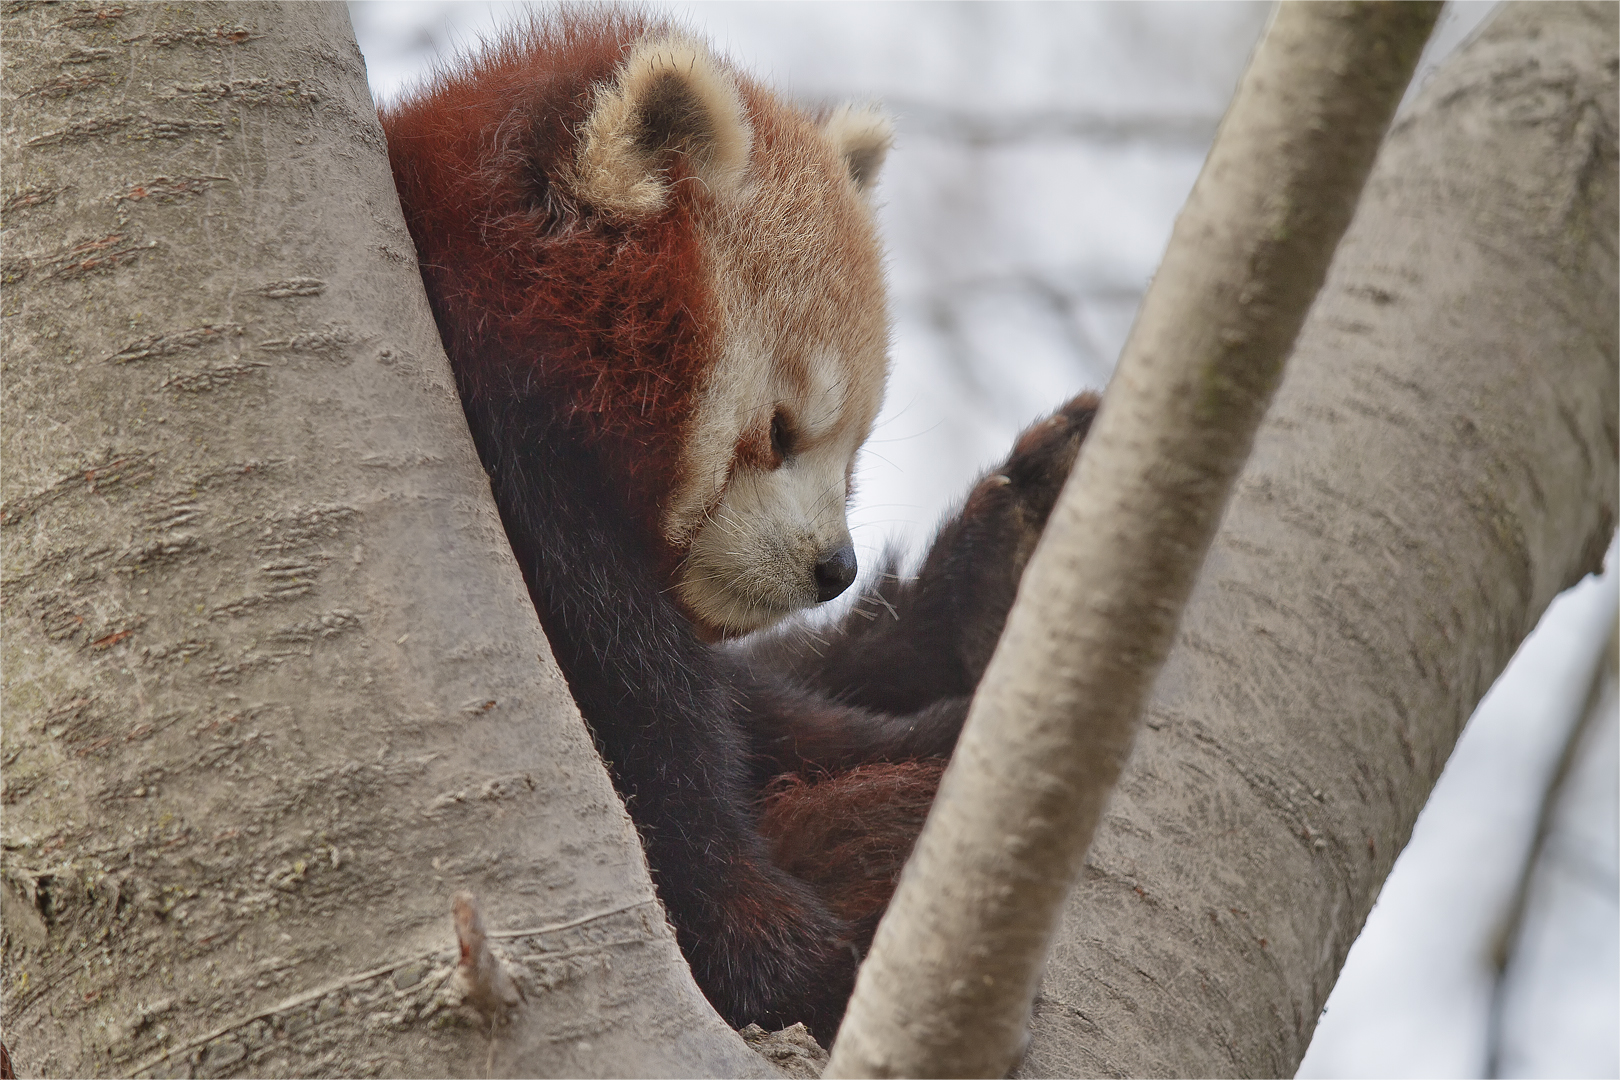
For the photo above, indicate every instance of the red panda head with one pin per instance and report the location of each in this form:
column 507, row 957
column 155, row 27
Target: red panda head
column 686, row 267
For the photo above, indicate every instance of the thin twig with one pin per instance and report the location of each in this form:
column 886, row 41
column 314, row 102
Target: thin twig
column 446, row 952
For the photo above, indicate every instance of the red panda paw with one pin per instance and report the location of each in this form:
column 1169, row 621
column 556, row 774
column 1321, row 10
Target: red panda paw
column 1006, row 511
column 1043, row 456
column 969, row 580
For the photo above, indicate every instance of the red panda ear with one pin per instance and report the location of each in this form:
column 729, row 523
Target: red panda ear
column 669, row 98
column 862, row 135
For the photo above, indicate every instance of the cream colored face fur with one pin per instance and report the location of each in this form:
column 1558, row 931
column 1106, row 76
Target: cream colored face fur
column 795, row 270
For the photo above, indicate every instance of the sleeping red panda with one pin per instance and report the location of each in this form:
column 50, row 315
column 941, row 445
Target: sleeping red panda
column 661, row 291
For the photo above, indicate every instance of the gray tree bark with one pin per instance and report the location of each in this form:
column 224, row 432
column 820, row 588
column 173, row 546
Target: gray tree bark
column 274, row 691
column 948, row 987
column 1440, row 461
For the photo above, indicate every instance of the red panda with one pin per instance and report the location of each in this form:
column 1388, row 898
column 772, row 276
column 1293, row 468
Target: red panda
column 661, row 290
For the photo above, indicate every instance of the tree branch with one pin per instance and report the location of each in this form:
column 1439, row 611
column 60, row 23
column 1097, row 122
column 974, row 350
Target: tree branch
column 1438, row 464
column 948, row 987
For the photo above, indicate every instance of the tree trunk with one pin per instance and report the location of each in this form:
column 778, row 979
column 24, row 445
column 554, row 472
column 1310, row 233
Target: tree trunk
column 954, row 968
column 1439, row 463
column 274, row 691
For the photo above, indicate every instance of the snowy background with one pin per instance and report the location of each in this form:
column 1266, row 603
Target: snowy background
column 1043, row 153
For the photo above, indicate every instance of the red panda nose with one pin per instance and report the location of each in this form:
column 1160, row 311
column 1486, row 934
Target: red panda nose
column 834, row 573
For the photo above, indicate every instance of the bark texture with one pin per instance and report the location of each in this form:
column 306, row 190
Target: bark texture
column 273, row 689
column 948, row 987
column 1439, row 463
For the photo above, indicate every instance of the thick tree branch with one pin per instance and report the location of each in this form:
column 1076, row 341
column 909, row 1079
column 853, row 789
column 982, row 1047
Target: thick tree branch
column 1440, row 461
column 952, row 974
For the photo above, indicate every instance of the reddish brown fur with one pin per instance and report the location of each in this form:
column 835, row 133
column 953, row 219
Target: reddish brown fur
column 545, row 284
column 754, row 449
column 849, row 834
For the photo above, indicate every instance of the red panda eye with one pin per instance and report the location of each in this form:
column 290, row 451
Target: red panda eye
column 782, row 438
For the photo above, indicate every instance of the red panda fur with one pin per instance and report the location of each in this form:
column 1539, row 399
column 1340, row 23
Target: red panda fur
column 634, row 295
column 849, row 834
column 660, row 290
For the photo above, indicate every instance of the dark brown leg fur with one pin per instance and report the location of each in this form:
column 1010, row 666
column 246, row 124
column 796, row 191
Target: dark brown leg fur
column 909, row 643
column 863, row 736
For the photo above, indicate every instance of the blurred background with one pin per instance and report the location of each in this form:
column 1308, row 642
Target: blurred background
column 1043, row 152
